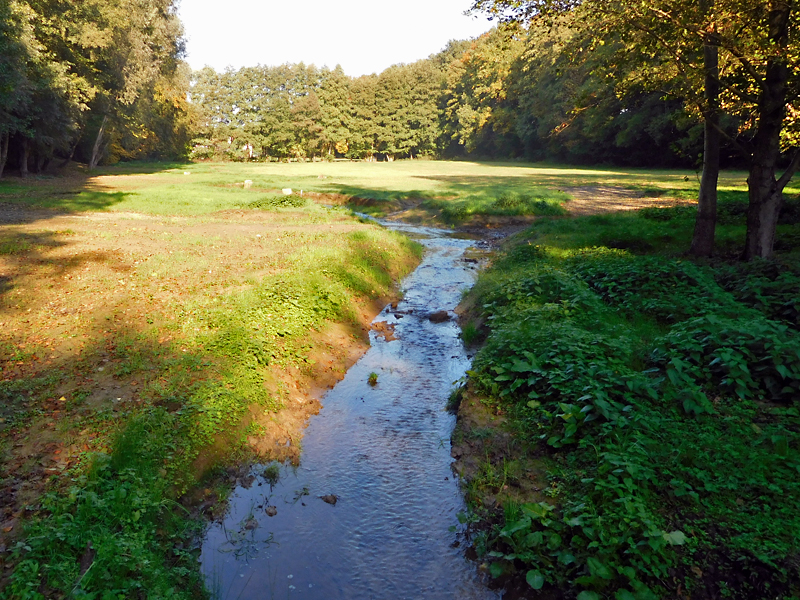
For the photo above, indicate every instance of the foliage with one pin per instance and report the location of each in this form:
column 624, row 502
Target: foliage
column 67, row 68
column 116, row 528
column 662, row 404
column 282, row 201
column 299, row 111
column 537, row 93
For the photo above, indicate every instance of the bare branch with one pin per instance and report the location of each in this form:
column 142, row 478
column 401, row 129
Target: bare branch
column 790, row 171
column 734, row 142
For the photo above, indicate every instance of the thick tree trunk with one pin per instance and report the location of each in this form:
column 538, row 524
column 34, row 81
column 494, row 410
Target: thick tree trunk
column 23, row 159
column 765, row 192
column 98, row 144
column 706, row 222
column 4, row 151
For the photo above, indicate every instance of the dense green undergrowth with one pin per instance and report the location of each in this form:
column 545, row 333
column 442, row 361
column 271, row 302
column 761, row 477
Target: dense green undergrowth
column 111, row 527
column 663, row 396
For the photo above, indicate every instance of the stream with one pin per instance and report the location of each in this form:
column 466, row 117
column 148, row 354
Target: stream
column 371, row 511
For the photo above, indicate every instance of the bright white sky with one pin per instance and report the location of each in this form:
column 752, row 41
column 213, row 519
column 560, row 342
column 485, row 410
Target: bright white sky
column 362, row 36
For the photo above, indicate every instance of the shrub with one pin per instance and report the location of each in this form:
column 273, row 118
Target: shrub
column 769, row 286
column 669, row 290
column 282, row 201
column 753, row 358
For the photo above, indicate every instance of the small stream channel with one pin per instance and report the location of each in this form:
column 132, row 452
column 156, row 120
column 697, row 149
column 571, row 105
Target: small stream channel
column 384, row 452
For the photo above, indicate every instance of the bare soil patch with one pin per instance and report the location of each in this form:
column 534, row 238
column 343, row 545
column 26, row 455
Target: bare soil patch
column 598, row 199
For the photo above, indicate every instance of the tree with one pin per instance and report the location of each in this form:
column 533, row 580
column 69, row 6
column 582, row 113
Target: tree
column 752, row 43
column 476, row 113
column 407, row 109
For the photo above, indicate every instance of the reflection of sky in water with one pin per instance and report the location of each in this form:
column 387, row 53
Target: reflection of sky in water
column 384, row 451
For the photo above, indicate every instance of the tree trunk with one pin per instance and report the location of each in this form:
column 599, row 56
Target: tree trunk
column 706, row 222
column 23, row 160
column 98, row 143
column 765, row 192
column 71, row 153
column 3, row 151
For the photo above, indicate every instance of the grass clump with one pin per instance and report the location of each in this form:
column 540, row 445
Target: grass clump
column 508, row 203
column 117, row 527
column 663, row 397
column 282, row 201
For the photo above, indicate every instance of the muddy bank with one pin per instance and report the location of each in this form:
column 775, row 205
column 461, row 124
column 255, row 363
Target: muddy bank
column 494, row 469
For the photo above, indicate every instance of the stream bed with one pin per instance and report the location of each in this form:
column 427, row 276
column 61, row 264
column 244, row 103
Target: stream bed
column 371, row 511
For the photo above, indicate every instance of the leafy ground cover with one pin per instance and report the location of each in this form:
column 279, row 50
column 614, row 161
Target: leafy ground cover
column 150, row 340
column 631, row 427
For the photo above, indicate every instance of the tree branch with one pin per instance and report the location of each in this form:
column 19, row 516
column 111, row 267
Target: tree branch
column 734, row 142
column 790, row 171
column 720, row 41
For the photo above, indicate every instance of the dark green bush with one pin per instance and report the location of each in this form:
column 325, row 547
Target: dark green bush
column 770, row 286
column 753, row 358
column 283, row 201
column 668, row 290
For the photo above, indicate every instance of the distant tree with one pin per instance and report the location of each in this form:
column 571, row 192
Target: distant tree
column 477, row 113
column 334, row 119
column 407, row 109
column 363, row 117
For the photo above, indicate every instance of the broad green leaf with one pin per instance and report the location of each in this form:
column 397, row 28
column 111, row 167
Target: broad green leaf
column 676, row 538
column 598, row 568
column 496, row 569
column 535, row 579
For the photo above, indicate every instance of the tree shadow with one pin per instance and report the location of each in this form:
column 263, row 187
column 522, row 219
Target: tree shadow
column 22, row 253
column 67, row 191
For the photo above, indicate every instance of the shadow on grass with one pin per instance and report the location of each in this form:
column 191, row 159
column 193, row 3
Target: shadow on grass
column 141, row 168
column 28, row 253
column 67, row 191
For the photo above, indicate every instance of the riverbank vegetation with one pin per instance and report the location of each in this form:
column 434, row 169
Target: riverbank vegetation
column 154, row 332
column 630, row 427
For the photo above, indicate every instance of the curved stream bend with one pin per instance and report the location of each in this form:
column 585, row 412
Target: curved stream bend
column 384, row 453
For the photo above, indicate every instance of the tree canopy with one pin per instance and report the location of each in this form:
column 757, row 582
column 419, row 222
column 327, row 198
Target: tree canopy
column 740, row 57
column 103, row 78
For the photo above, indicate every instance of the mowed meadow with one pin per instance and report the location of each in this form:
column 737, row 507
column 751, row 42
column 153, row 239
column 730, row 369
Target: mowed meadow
column 162, row 323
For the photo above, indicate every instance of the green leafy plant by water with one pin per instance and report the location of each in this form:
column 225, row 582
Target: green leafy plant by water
column 663, row 396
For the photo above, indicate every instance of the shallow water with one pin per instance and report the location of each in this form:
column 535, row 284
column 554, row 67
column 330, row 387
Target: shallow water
column 384, row 452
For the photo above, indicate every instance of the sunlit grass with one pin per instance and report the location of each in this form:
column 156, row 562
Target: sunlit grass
column 202, row 188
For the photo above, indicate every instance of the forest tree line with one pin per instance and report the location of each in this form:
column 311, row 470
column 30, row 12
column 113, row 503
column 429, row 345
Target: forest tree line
column 656, row 83
column 95, row 80
column 537, row 93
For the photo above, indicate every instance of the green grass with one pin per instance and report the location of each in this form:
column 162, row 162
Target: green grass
column 205, row 358
column 660, row 395
column 456, row 189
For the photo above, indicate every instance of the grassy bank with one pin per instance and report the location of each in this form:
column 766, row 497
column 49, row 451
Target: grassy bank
column 631, row 426
column 149, row 338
